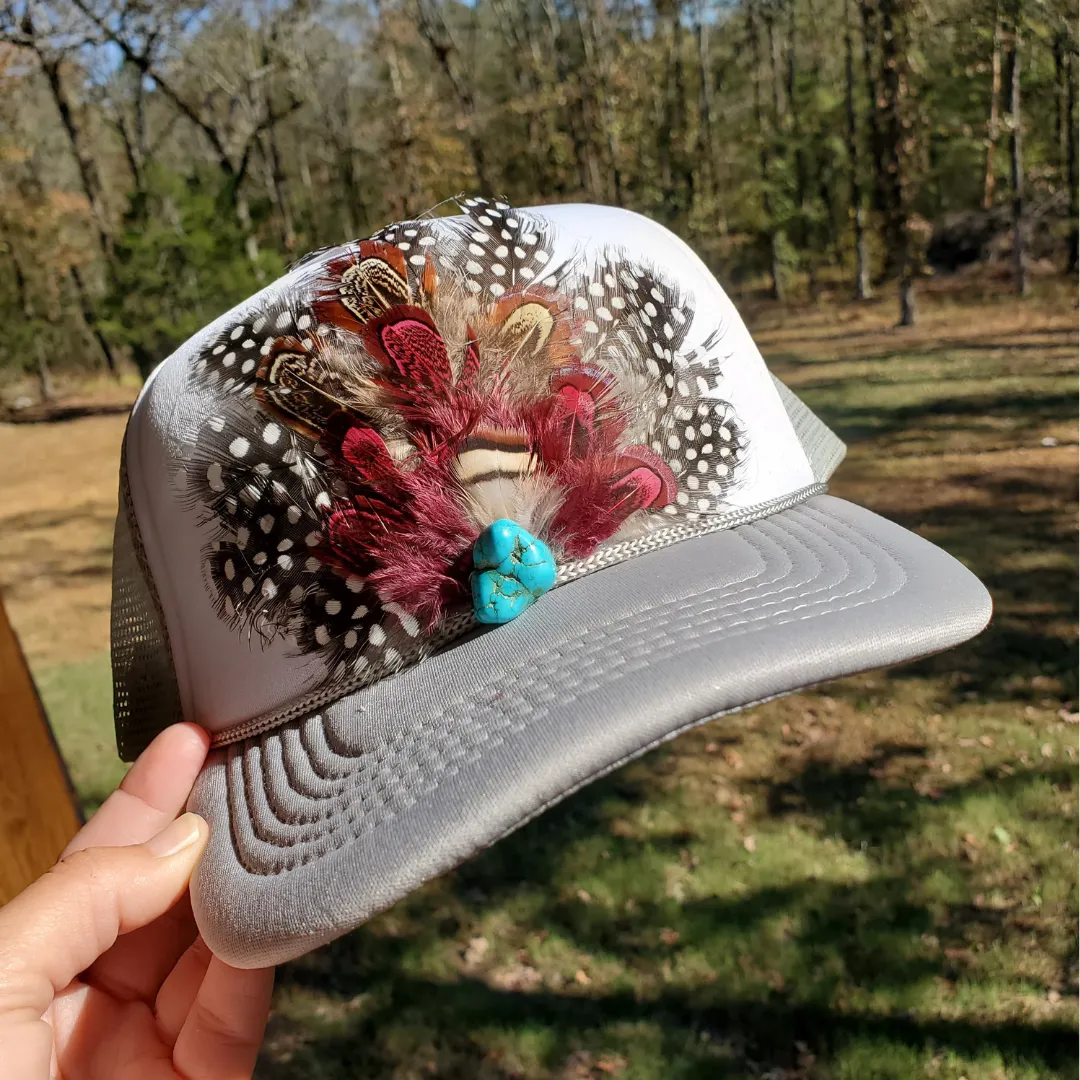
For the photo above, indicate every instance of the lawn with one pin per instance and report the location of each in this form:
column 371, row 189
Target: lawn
column 874, row 880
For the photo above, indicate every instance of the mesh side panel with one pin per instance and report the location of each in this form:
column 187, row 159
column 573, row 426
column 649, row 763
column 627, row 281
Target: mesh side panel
column 823, row 448
column 145, row 695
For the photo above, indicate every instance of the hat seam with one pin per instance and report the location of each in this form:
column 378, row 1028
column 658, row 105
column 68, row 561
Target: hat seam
column 731, row 600
column 352, row 819
column 413, row 737
column 460, row 624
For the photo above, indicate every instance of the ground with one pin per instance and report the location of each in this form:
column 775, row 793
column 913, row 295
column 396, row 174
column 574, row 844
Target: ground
column 874, row 880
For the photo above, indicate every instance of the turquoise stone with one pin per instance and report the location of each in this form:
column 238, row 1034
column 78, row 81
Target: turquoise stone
column 511, row 568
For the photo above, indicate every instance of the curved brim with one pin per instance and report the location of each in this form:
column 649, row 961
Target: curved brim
column 320, row 824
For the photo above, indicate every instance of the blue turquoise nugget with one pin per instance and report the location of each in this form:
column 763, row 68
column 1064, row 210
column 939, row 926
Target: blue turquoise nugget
column 511, row 569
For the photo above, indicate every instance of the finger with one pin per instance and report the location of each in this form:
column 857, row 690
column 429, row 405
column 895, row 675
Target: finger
column 153, row 791
column 66, row 919
column 221, row 1036
column 137, row 965
column 179, row 990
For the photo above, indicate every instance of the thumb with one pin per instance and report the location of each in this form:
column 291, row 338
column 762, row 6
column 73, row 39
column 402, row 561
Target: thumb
column 65, row 920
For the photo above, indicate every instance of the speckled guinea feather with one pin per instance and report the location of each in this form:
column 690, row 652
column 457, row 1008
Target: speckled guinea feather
column 419, row 384
column 633, row 321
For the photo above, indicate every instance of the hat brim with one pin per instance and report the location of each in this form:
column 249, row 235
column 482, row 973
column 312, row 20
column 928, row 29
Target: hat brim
column 328, row 820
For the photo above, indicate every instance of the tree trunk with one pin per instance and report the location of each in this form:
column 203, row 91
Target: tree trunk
column 994, row 120
column 91, row 185
column 774, row 64
column 232, row 171
column 907, row 301
column 433, row 29
column 87, row 309
column 279, row 191
column 773, row 234
column 858, row 212
column 1073, row 179
column 706, row 149
column 517, row 36
column 676, row 174
column 557, row 48
column 136, row 150
column 1016, row 158
column 251, row 244
column 895, row 69
column 874, row 93
column 353, row 211
column 46, row 389
column 1058, row 48
column 405, row 139
column 88, row 174
column 794, row 113
column 595, row 80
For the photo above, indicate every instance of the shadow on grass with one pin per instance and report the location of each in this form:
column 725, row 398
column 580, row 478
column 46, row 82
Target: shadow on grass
column 856, row 423
column 1001, row 521
column 82, row 562
column 1012, row 520
column 851, row 954
column 753, row 1030
column 765, row 978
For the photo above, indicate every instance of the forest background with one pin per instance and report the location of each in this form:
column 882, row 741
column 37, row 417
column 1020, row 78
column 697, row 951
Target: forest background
column 872, row 880
column 159, row 161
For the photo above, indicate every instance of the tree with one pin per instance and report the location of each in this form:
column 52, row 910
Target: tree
column 52, row 47
column 858, row 211
column 1016, row 156
column 898, row 126
column 180, row 261
column 993, row 121
column 231, row 117
column 198, row 146
column 773, row 233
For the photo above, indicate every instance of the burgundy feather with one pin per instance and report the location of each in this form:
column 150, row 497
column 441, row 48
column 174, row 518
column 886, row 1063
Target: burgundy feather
column 407, row 405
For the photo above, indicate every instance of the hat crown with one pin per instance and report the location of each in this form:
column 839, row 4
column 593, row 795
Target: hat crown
column 338, row 445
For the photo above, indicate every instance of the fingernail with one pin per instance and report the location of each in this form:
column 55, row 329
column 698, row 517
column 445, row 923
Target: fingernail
column 177, row 835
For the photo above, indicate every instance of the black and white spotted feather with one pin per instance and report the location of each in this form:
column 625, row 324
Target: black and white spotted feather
column 266, row 490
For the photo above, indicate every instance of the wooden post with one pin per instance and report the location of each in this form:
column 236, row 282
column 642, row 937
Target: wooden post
column 38, row 815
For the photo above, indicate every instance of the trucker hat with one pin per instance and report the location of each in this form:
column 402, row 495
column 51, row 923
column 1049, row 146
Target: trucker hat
column 448, row 522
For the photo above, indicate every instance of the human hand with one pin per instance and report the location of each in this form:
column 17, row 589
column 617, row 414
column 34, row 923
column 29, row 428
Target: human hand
column 102, row 973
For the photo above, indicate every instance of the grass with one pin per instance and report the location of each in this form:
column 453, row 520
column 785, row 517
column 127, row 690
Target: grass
column 78, row 700
column 875, row 881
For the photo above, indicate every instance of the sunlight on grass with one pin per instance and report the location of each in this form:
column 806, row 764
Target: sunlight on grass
column 78, row 701
column 875, row 881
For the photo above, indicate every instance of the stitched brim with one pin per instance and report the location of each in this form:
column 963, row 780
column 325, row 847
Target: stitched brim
column 322, row 823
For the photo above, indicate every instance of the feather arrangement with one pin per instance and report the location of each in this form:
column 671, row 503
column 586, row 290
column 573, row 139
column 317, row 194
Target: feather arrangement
column 441, row 404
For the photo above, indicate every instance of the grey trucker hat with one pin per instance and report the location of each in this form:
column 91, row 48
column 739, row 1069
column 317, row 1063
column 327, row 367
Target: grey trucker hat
column 446, row 523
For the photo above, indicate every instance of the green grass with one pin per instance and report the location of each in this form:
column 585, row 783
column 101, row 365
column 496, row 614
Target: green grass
column 78, row 700
column 877, row 880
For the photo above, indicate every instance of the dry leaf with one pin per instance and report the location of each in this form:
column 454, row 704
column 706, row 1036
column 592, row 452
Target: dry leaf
column 610, row 1065
column 516, row 977
column 475, row 951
